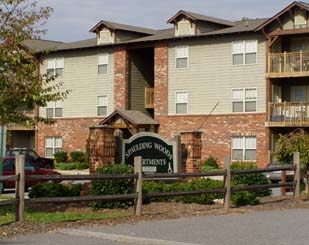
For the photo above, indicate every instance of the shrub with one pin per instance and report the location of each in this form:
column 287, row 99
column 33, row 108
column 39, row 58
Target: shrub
column 77, row 156
column 250, row 179
column 211, row 162
column 82, row 165
column 71, row 165
column 243, row 198
column 198, row 184
column 112, row 187
column 55, row 190
column 60, row 156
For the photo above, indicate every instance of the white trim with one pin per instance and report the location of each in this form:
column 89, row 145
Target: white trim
column 54, row 67
column 243, row 148
column 244, row 53
column 182, row 46
column 52, row 105
column 244, row 100
column 98, row 105
column 181, row 91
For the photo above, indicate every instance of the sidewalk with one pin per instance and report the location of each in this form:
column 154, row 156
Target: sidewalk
column 73, row 172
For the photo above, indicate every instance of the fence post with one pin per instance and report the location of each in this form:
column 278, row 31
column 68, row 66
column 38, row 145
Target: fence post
column 296, row 161
column 138, row 186
column 20, row 187
column 227, row 183
column 283, row 181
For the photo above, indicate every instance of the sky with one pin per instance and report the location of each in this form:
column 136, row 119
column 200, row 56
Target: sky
column 71, row 20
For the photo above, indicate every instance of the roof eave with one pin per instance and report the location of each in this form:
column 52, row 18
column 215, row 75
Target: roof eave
column 293, row 4
column 171, row 20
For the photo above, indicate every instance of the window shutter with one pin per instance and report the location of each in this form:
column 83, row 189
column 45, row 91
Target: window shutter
column 237, row 143
column 182, row 52
column 59, row 62
column 51, row 63
column 238, row 47
column 181, row 97
column 250, row 143
column 103, row 59
column 251, row 46
column 238, row 94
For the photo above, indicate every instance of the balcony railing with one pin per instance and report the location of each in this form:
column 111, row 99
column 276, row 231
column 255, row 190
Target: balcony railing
column 149, row 98
column 288, row 64
column 288, row 114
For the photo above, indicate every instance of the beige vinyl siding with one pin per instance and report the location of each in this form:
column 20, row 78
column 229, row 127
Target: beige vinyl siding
column 81, row 76
column 122, row 36
column 211, row 76
column 202, row 27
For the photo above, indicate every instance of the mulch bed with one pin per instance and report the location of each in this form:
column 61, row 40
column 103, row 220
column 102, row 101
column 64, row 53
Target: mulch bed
column 152, row 211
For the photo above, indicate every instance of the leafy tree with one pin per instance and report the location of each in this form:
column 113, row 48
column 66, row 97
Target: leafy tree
column 20, row 84
column 296, row 141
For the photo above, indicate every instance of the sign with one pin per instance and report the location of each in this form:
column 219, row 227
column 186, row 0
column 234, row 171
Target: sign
column 158, row 155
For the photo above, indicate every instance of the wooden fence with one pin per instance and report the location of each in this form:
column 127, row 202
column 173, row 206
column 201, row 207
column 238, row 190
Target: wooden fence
column 138, row 177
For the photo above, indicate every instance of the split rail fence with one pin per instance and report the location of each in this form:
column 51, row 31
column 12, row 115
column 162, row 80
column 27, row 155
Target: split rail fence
column 139, row 177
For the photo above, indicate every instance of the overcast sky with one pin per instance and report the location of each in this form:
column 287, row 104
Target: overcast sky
column 72, row 19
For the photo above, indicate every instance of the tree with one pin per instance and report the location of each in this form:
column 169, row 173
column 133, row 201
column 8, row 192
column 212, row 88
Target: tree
column 20, row 84
column 296, row 141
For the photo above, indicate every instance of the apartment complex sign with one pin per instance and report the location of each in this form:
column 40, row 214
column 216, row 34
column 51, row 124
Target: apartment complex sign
column 158, row 155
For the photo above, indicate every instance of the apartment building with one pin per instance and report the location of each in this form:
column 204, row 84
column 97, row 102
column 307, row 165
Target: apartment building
column 241, row 83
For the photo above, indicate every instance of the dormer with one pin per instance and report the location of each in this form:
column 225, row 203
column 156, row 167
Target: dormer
column 188, row 24
column 110, row 32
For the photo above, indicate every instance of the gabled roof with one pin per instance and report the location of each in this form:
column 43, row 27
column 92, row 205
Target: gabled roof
column 117, row 26
column 134, row 117
column 39, row 45
column 200, row 17
column 292, row 5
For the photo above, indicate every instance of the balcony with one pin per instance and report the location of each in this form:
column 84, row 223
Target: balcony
column 288, row 114
column 285, row 64
column 18, row 127
column 149, row 98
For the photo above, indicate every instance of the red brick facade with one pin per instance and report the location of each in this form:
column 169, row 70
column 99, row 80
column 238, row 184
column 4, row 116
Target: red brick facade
column 121, row 85
column 217, row 132
column 160, row 78
column 74, row 133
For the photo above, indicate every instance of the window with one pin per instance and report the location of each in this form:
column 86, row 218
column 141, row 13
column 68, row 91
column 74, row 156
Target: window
column 52, row 145
column 182, row 54
column 243, row 148
column 244, row 100
column 54, row 109
column 102, row 63
column 55, row 67
column 300, row 18
column 181, row 102
column 102, row 105
column 244, row 52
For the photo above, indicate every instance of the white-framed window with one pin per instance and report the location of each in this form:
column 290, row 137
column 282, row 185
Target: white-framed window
column 181, row 102
column 102, row 63
column 244, row 52
column 102, row 105
column 55, row 67
column 52, row 145
column 244, row 100
column 182, row 56
column 243, row 148
column 300, row 18
column 54, row 109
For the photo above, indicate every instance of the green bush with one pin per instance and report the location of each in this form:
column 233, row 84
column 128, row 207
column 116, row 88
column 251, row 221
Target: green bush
column 61, row 156
column 113, row 187
column 248, row 197
column 71, row 165
column 77, row 156
column 211, row 162
column 198, row 184
column 55, row 190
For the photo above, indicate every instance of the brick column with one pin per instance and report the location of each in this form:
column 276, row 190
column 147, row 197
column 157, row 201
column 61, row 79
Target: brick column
column 121, row 73
column 191, row 147
column 102, row 147
column 160, row 78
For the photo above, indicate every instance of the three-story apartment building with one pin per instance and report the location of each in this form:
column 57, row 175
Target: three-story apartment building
column 241, row 83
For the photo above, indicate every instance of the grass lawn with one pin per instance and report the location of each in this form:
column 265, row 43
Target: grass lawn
column 7, row 215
